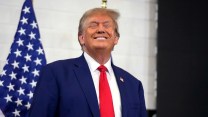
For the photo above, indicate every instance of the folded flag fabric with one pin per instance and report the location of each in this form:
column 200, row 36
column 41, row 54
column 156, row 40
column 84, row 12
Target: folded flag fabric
column 24, row 62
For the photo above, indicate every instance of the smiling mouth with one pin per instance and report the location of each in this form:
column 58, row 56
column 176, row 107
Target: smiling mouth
column 100, row 38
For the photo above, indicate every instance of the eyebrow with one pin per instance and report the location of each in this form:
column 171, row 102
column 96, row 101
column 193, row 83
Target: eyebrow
column 100, row 22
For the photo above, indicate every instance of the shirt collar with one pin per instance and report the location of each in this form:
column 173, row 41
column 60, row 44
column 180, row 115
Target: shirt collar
column 93, row 65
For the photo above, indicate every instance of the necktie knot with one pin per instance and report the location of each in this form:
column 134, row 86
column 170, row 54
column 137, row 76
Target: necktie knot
column 102, row 68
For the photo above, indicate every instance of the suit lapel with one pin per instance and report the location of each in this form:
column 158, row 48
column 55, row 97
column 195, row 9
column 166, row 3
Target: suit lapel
column 85, row 80
column 122, row 88
column 84, row 77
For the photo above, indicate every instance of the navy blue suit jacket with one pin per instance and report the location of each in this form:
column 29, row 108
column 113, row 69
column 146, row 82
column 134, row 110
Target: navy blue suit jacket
column 66, row 89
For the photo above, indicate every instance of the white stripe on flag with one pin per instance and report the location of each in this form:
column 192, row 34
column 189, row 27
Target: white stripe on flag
column 1, row 114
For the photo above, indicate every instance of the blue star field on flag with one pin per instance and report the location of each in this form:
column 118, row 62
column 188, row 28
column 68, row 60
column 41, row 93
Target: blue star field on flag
column 24, row 62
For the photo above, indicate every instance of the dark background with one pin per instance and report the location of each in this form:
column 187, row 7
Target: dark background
column 182, row 60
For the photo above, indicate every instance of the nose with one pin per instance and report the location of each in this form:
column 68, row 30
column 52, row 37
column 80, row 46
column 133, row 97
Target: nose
column 101, row 29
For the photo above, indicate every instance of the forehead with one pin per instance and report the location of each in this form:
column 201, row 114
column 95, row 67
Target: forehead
column 99, row 17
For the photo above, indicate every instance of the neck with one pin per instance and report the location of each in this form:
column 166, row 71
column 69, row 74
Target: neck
column 100, row 57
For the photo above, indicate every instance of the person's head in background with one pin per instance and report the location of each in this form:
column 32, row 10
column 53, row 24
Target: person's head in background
column 98, row 32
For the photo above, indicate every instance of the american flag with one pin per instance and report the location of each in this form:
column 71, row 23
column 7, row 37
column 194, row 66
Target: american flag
column 20, row 74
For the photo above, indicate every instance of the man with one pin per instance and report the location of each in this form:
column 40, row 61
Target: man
column 73, row 87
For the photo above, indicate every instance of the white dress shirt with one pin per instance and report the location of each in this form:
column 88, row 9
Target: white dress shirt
column 93, row 65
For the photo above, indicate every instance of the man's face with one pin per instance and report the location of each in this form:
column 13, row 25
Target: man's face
column 98, row 34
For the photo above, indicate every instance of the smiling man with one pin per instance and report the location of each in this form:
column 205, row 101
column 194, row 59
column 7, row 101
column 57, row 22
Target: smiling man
column 90, row 85
column 98, row 33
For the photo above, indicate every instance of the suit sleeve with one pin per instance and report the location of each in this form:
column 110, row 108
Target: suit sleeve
column 142, row 100
column 46, row 95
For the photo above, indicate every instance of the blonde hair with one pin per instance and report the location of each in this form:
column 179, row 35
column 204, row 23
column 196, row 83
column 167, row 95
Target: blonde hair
column 114, row 15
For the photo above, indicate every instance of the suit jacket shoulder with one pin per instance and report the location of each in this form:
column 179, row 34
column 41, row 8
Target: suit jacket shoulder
column 129, row 77
column 132, row 93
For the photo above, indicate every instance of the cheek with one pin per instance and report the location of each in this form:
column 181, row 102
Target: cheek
column 111, row 32
column 90, row 31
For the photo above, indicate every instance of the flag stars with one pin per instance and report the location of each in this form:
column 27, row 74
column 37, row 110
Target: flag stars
column 28, row 105
column 17, row 53
column 30, row 46
column 28, row 57
column 38, row 61
column 24, row 20
column 26, row 10
column 25, row 68
column 36, row 72
column 15, row 65
column 3, row 73
column 39, row 50
column 10, row 87
column 19, row 76
column 34, row 24
column 21, row 91
column 33, row 84
column 18, row 102
column 1, row 83
column 16, row 113
column 20, row 42
column 8, row 98
column 21, row 31
column 32, row 35
column 13, row 75
column 23, row 80
column 30, row 95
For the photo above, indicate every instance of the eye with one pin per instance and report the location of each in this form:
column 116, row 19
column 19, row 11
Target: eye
column 93, row 25
column 107, row 25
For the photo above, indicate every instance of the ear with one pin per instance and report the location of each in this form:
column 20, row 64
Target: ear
column 116, row 40
column 81, row 39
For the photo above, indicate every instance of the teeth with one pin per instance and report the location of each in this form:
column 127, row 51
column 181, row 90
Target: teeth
column 100, row 38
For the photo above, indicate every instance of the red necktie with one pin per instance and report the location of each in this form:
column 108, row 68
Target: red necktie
column 106, row 103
